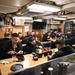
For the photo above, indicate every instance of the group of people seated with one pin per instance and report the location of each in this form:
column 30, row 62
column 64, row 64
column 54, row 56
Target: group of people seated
column 51, row 34
column 62, row 49
column 24, row 39
column 12, row 45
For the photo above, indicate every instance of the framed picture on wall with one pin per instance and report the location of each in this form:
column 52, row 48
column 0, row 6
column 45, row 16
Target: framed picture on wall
column 10, row 30
column 26, row 28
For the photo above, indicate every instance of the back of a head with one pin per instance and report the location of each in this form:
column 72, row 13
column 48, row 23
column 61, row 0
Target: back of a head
column 6, row 34
column 28, row 33
column 31, row 39
column 20, row 33
column 14, row 35
column 61, row 42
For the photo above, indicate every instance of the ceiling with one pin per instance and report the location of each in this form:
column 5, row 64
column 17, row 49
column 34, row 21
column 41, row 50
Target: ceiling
column 8, row 6
column 11, row 6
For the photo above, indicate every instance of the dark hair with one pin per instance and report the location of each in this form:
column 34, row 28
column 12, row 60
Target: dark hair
column 48, row 32
column 15, row 35
column 60, row 42
column 31, row 39
column 19, row 32
column 6, row 34
column 28, row 33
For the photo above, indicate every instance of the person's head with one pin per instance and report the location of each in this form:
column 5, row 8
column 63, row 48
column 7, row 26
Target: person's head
column 28, row 33
column 49, row 33
column 15, row 38
column 20, row 35
column 60, row 43
column 32, row 40
column 7, row 35
column 32, row 33
column 55, row 31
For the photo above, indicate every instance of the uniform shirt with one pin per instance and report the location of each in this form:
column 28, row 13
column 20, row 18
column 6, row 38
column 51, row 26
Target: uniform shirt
column 29, row 48
column 7, row 46
column 63, row 51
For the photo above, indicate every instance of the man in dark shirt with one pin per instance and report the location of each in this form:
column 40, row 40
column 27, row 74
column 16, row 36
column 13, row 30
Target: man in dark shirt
column 32, row 45
column 26, row 38
column 62, row 49
column 46, row 36
column 7, row 37
column 20, row 35
column 11, row 47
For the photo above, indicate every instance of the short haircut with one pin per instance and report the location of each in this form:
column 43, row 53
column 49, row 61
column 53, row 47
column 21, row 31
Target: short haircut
column 20, row 33
column 6, row 34
column 31, row 39
column 60, row 42
column 28, row 33
column 48, row 32
column 15, row 35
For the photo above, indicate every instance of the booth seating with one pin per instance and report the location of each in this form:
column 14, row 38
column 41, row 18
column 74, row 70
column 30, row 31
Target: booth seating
column 70, row 41
column 46, row 43
column 60, row 66
column 50, row 44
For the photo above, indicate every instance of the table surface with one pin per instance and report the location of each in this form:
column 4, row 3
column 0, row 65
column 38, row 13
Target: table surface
column 28, row 62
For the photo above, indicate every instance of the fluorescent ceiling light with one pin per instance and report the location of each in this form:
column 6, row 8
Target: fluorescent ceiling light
column 37, row 11
column 44, row 7
column 16, row 17
column 63, row 16
column 59, row 18
column 38, row 20
column 49, row 17
column 70, row 17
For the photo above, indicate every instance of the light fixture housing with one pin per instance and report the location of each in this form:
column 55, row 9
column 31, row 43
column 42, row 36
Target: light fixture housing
column 59, row 18
column 36, row 11
column 28, row 18
column 43, row 7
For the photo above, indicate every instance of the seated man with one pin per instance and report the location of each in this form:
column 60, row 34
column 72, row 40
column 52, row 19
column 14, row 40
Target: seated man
column 62, row 49
column 7, row 36
column 32, row 45
column 11, row 47
column 46, row 36
column 26, row 38
column 20, row 36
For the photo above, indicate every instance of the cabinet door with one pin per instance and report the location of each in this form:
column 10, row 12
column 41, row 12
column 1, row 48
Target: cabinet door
column 38, row 34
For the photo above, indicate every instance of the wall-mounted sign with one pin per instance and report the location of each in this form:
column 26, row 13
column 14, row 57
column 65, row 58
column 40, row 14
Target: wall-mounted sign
column 26, row 28
column 55, row 22
column 10, row 30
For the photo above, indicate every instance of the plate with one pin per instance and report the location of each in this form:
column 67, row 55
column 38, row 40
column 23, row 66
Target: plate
column 16, row 67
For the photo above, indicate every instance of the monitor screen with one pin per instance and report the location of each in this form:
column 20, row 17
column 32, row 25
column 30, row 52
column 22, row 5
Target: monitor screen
column 39, row 25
